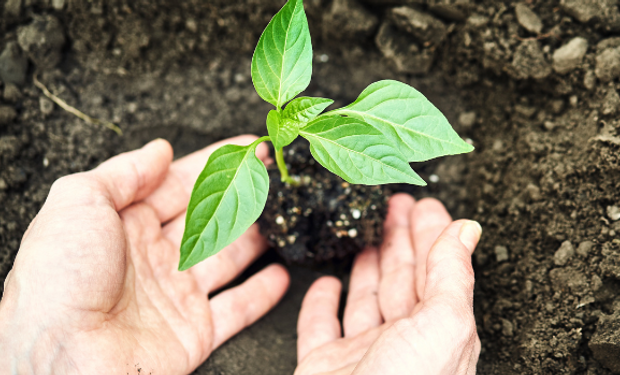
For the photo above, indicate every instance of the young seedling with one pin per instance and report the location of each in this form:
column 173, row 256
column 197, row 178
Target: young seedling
column 371, row 141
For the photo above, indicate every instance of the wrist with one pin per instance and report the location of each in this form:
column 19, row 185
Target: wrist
column 28, row 347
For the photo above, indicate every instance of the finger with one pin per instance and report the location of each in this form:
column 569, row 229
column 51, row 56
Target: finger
column 473, row 360
column 241, row 306
column 318, row 319
column 428, row 219
column 362, row 310
column 131, row 176
column 397, row 263
column 172, row 196
column 347, row 370
column 224, row 266
column 450, row 276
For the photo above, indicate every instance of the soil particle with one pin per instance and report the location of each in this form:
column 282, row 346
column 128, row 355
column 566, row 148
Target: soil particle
column 569, row 280
column 570, row 56
column 13, row 8
column 585, row 248
column 613, row 212
column 564, row 253
column 346, row 20
column 467, row 119
column 42, row 40
column 396, row 46
column 450, row 9
column 11, row 93
column 611, row 102
column 46, row 106
column 501, row 253
column 529, row 61
column 608, row 64
column 604, row 11
column 325, row 218
column 7, row 114
column 13, row 64
column 605, row 342
column 425, row 28
column 528, row 19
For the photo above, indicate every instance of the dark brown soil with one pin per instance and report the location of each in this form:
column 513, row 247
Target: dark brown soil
column 544, row 180
column 325, row 218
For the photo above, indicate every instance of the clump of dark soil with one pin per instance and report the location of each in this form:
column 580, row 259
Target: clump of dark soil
column 325, row 217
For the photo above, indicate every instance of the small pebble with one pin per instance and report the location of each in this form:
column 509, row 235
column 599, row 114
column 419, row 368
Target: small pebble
column 584, row 248
column 323, row 58
column 613, row 212
column 46, row 105
column 501, row 253
column 570, row 56
column 433, row 178
column 356, row 214
column 467, row 119
column 3, row 184
column 564, row 253
column 352, row 232
column 528, row 19
column 46, row 162
column 291, row 239
column 279, row 220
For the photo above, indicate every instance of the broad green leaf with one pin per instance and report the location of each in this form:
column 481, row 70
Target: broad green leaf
column 228, row 197
column 411, row 122
column 281, row 131
column 305, row 109
column 357, row 152
column 282, row 61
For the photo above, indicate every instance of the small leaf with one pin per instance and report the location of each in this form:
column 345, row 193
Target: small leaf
column 282, row 61
column 228, row 197
column 357, row 152
column 411, row 122
column 281, row 131
column 305, row 109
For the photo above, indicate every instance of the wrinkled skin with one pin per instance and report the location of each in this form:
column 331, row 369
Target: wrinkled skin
column 410, row 303
column 95, row 288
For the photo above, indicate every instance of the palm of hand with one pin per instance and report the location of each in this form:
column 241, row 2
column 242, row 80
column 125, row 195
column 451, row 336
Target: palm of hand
column 114, row 299
column 409, row 305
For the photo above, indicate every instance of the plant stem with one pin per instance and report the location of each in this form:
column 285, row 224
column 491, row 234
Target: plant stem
column 283, row 170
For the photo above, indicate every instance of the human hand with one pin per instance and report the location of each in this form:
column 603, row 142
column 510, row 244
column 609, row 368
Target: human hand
column 95, row 288
column 410, row 304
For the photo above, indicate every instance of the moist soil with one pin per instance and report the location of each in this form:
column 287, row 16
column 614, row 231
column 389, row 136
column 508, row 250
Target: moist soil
column 539, row 105
column 324, row 218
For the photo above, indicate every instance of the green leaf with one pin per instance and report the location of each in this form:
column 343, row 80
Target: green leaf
column 282, row 61
column 228, row 197
column 411, row 122
column 357, row 152
column 281, row 131
column 305, row 109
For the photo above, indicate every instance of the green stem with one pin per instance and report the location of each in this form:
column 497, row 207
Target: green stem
column 283, row 170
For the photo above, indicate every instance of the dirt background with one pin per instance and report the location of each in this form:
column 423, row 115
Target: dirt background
column 544, row 180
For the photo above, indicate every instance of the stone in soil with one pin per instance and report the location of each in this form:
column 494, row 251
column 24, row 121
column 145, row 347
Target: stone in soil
column 584, row 248
column 42, row 40
column 604, row 11
column 346, row 19
column 450, row 9
column 406, row 56
column 426, row 29
column 570, row 56
column 608, row 64
column 11, row 93
column 13, row 8
column 610, row 102
column 501, row 253
column 605, row 342
column 7, row 114
column 529, row 61
column 13, row 64
column 325, row 218
column 528, row 19
column 569, row 280
column 564, row 253
column 613, row 212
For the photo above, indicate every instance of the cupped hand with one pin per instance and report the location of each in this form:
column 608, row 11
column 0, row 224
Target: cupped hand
column 95, row 288
column 409, row 307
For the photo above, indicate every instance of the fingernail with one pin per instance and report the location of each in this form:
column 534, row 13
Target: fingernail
column 470, row 234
